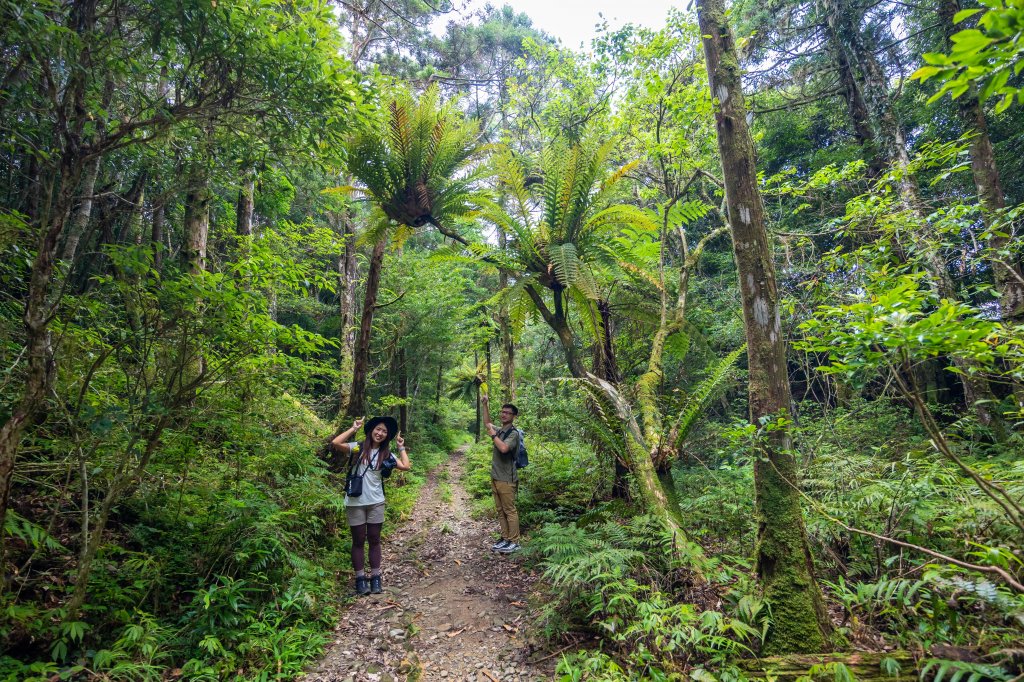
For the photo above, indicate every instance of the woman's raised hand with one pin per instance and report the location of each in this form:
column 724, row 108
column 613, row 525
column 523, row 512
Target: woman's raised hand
column 399, row 440
column 358, row 423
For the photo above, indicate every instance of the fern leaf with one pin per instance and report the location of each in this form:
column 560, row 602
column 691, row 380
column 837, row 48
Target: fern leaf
column 699, row 397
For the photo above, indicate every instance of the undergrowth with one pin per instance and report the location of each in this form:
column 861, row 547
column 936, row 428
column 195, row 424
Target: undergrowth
column 225, row 564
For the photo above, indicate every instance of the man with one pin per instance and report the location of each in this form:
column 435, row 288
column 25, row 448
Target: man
column 504, row 477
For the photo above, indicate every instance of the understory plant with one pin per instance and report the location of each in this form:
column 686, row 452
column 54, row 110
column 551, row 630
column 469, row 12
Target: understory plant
column 625, row 583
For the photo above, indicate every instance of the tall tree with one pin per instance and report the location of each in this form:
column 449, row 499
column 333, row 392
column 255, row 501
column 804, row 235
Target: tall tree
column 785, row 566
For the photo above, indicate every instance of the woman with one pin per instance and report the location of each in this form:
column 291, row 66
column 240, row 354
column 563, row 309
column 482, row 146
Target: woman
column 366, row 512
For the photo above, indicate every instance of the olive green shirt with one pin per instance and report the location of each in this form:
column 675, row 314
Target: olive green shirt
column 503, row 465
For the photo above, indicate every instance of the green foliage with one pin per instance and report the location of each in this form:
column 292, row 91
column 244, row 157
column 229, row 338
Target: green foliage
column 562, row 481
column 606, row 577
column 898, row 321
column 986, row 57
column 962, row 671
column 414, row 160
column 698, row 399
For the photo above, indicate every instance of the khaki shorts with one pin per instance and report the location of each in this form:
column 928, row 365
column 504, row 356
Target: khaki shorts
column 357, row 516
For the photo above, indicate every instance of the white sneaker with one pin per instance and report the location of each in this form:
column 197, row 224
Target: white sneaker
column 499, row 545
column 509, row 548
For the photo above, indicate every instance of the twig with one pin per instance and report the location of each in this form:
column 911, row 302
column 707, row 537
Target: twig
column 552, row 655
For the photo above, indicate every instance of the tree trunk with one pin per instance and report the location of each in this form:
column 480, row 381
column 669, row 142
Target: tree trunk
column 80, row 222
column 437, row 393
column 863, row 666
column 197, row 222
column 604, row 350
column 856, row 107
column 403, row 391
column 476, row 391
column 348, row 274
column 361, row 360
column 558, row 323
column 784, row 564
column 157, row 234
column 245, row 206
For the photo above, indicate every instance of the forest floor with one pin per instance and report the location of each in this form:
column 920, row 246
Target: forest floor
column 451, row 610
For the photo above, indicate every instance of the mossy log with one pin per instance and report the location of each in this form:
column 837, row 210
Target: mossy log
column 864, row 666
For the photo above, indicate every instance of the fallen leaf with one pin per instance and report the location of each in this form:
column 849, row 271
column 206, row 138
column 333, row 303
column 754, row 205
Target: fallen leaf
column 457, row 632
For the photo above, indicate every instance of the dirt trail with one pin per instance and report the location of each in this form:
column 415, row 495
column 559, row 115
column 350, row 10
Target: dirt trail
column 451, row 609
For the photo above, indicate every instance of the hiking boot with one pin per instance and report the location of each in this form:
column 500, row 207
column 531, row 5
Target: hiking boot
column 363, row 585
column 499, row 545
column 509, row 548
column 375, row 586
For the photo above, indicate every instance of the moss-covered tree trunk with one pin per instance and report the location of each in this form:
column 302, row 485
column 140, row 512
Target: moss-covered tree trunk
column 784, row 564
column 197, row 221
column 653, row 496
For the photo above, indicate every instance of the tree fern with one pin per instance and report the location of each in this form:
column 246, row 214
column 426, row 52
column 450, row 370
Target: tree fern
column 414, row 160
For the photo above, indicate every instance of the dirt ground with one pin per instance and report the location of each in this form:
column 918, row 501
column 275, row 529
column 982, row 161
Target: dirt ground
column 451, row 610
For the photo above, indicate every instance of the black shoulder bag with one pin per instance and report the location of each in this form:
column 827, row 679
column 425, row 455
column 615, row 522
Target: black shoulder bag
column 354, row 479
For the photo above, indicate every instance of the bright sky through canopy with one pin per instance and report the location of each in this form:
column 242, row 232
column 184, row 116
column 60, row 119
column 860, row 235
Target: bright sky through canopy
column 574, row 21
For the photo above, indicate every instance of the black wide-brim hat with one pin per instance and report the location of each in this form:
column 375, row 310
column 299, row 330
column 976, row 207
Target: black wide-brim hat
column 390, row 423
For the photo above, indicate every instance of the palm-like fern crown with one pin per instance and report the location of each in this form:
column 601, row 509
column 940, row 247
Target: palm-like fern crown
column 556, row 230
column 415, row 162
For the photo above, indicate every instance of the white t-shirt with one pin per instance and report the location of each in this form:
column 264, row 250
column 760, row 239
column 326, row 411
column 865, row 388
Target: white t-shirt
column 373, row 485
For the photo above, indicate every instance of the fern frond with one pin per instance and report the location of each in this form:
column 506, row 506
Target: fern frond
column 686, row 213
column 565, row 260
column 698, row 399
column 619, row 174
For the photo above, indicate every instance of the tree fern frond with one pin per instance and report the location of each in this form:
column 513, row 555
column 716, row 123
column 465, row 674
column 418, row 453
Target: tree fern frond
column 620, row 216
column 586, row 283
column 377, row 228
column 702, row 394
column 619, row 174
column 564, row 258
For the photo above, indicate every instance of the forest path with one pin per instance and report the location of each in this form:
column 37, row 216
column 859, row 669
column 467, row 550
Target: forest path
column 451, row 610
